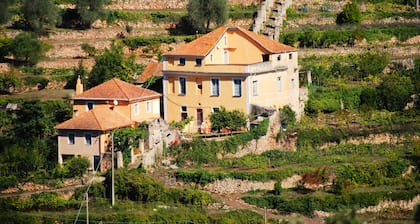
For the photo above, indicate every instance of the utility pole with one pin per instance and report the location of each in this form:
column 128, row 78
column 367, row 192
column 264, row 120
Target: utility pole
column 265, row 215
column 87, row 208
column 112, row 171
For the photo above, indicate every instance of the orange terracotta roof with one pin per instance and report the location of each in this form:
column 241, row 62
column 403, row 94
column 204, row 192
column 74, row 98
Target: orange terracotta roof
column 152, row 69
column 200, row 46
column 267, row 43
column 117, row 89
column 203, row 45
column 97, row 120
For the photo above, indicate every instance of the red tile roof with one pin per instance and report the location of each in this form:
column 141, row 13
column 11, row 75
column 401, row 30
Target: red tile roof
column 118, row 90
column 152, row 69
column 203, row 45
column 97, row 120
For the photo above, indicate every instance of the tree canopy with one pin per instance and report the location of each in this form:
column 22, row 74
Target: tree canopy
column 90, row 10
column 4, row 10
column 110, row 64
column 203, row 12
column 27, row 48
column 39, row 15
column 395, row 92
column 350, row 14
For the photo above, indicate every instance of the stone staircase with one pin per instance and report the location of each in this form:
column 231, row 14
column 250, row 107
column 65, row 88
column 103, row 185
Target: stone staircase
column 270, row 17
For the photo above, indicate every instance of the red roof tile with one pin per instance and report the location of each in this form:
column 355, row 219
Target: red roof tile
column 117, row 89
column 203, row 45
column 96, row 119
column 152, row 69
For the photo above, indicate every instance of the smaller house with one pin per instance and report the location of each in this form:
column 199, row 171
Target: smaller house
column 88, row 134
column 100, row 110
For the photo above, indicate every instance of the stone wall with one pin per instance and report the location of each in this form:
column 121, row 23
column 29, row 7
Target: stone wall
column 164, row 4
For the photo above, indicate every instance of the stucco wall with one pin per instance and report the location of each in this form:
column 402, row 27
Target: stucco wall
column 195, row 99
column 80, row 148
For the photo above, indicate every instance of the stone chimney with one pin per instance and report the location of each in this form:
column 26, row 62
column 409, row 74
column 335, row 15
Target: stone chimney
column 79, row 86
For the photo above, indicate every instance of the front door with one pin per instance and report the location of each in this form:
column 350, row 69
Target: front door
column 199, row 117
column 96, row 163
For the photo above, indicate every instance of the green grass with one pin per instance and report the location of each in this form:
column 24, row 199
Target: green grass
column 45, row 94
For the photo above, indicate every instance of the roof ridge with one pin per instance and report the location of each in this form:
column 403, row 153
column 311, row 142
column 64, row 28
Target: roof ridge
column 119, row 87
column 96, row 119
column 225, row 29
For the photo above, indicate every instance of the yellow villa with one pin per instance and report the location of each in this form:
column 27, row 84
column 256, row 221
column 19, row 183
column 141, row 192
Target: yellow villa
column 96, row 112
column 230, row 67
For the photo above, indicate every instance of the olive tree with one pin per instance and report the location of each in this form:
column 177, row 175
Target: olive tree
column 203, row 12
column 27, row 48
column 39, row 15
column 90, row 10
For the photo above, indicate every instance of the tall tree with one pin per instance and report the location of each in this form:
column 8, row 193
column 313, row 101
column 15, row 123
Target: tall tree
column 110, row 64
column 4, row 10
column 27, row 48
column 90, row 10
column 39, row 15
column 203, row 12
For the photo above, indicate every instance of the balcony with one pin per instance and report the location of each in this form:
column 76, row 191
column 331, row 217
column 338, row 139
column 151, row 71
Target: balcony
column 262, row 67
column 265, row 67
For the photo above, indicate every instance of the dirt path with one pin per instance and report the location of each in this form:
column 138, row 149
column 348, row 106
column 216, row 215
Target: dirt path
column 234, row 202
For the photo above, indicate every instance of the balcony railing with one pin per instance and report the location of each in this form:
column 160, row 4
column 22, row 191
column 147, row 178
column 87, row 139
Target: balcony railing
column 231, row 68
column 265, row 67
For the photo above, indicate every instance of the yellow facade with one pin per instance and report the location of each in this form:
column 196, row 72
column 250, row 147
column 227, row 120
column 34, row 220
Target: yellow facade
column 235, row 55
column 135, row 110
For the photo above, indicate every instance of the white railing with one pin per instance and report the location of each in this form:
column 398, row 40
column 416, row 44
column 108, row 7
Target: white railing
column 264, row 67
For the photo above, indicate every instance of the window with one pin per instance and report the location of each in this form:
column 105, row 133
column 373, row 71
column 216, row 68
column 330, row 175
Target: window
column 89, row 106
column 199, row 87
column 136, row 109
column 71, row 139
column 182, row 85
column 293, row 83
column 75, row 113
column 181, row 61
column 266, row 57
column 215, row 91
column 184, row 112
column 237, row 87
column 279, row 84
column 255, row 88
column 279, row 58
column 88, row 139
column 211, row 58
column 225, row 57
column 148, row 106
column 198, row 61
column 215, row 109
column 290, row 56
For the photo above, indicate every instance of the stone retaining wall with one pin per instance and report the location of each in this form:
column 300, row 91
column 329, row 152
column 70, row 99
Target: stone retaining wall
column 164, row 4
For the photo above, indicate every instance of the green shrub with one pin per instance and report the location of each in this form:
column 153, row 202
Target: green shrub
column 369, row 97
column 77, row 166
column 350, row 14
column 277, row 188
column 8, row 181
column 41, row 82
column 307, row 204
column 238, row 216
